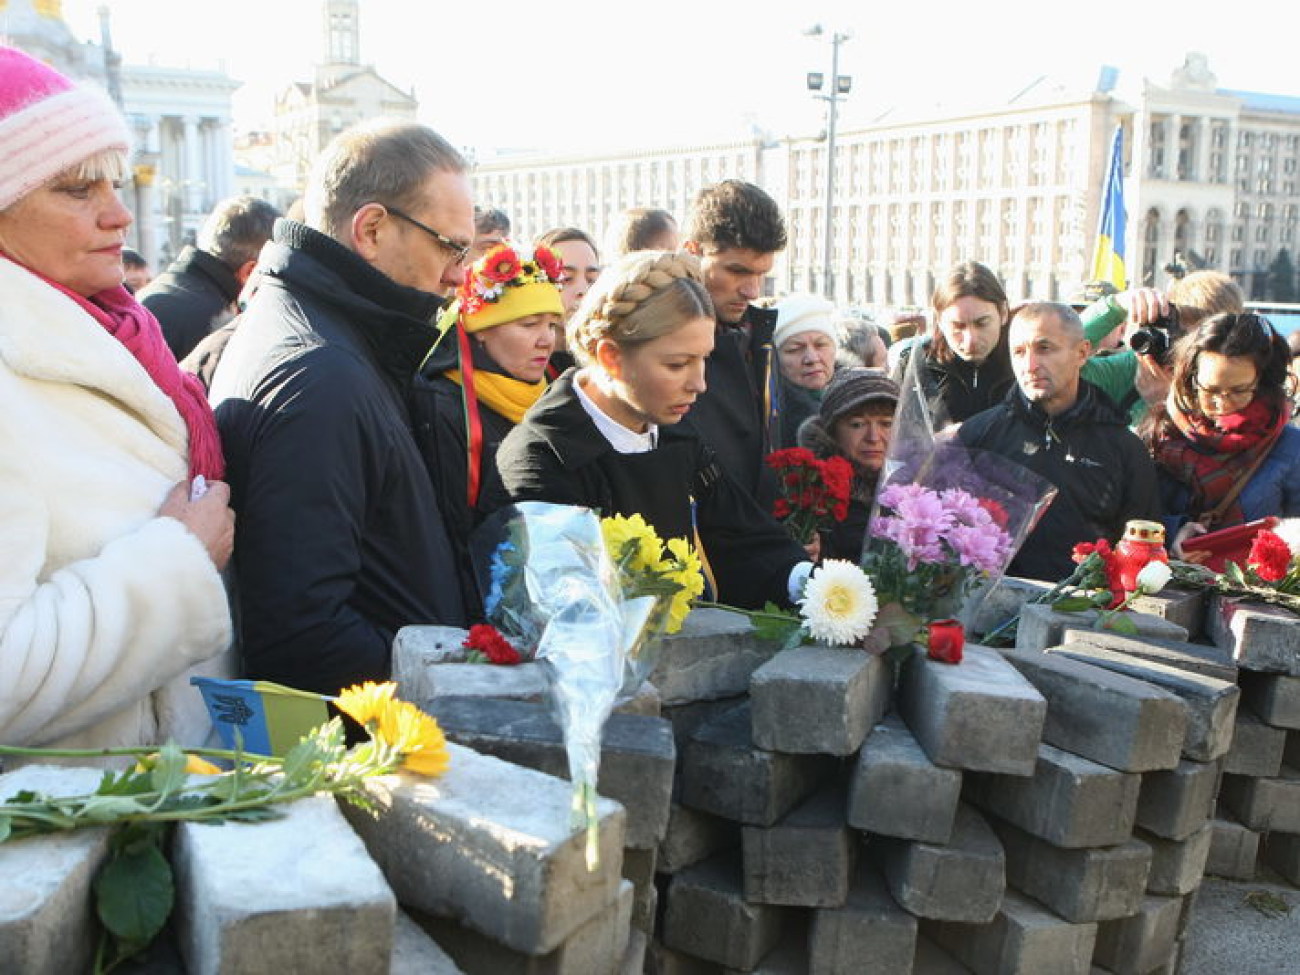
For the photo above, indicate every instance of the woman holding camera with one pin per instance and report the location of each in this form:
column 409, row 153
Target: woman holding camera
column 1221, row 441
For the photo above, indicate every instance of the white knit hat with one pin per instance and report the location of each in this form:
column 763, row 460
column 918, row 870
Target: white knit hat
column 801, row 312
column 49, row 124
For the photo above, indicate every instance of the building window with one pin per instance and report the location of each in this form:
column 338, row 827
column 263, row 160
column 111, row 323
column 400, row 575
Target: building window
column 1235, row 259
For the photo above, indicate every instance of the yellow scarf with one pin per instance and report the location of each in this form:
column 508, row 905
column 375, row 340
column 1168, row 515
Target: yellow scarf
column 503, row 394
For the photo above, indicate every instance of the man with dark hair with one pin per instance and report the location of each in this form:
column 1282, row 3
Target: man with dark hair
column 137, row 273
column 736, row 230
column 196, row 294
column 340, row 539
column 491, row 227
column 1066, row 430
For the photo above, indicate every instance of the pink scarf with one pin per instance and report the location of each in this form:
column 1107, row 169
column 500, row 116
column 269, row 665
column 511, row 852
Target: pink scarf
column 134, row 326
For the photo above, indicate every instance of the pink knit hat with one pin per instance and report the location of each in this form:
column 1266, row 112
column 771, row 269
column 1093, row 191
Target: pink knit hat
column 49, row 124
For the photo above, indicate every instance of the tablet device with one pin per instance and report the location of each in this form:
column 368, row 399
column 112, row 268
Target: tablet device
column 1228, row 544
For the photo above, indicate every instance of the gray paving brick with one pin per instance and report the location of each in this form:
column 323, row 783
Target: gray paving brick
column 806, row 859
column 838, row 693
column 1234, row 849
column 869, row 935
column 1265, row 804
column 1022, row 939
column 1177, row 866
column 1260, row 637
column 713, row 656
column 708, row 916
column 1042, row 627
column 895, row 790
column 961, row 881
column 1176, row 803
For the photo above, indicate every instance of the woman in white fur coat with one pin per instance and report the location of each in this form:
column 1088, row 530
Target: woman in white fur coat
column 110, row 586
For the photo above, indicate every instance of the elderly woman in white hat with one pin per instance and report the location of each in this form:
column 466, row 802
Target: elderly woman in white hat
column 806, row 340
column 110, row 585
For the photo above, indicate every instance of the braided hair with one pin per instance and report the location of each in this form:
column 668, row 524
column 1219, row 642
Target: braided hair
column 644, row 295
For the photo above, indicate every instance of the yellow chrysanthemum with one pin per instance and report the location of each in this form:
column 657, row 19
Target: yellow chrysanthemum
column 364, row 703
column 685, row 571
column 620, row 532
column 415, row 736
column 194, row 765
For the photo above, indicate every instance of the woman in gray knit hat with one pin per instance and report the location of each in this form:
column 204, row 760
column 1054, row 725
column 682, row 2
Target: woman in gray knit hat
column 855, row 422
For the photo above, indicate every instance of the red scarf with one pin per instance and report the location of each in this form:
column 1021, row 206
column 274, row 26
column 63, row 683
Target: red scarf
column 1209, row 454
column 134, row 326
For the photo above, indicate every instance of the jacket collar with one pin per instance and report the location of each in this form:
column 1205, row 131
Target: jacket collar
column 1092, row 407
column 191, row 260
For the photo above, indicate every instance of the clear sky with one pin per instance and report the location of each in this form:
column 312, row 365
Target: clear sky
column 510, row 74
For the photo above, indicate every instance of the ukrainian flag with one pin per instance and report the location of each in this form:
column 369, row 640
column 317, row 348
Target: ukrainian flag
column 267, row 718
column 1108, row 258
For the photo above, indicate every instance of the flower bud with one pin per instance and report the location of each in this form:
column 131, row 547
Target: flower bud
column 1154, row 576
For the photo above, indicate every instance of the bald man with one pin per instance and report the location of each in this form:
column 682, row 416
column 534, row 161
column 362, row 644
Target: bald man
column 1064, row 429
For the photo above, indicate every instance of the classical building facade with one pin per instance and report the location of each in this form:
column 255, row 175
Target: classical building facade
column 1210, row 177
column 182, row 163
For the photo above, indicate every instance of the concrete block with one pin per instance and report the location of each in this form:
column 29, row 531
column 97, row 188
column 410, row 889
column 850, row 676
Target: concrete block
column 596, row 946
column 712, row 656
column 1274, row 697
column 447, row 844
column 789, row 957
column 1142, row 943
column 1282, row 853
column 1259, row 636
column 1069, row 801
column 429, row 663
column 1185, row 607
column 636, row 958
column 1256, row 747
column 693, row 836
column 644, row 702
column 1211, row 703
column 416, row 953
column 1176, row 803
column 724, row 774
column 1002, row 601
column 895, row 789
column 708, row 916
column 639, row 870
column 663, row 960
column 1264, row 804
column 1209, row 661
column 47, row 924
column 837, row 693
column 1234, row 850
column 1083, row 885
column 980, row 714
column 1111, row 718
column 933, row 960
column 1042, row 627
column 869, row 935
column 637, row 757
column 805, row 860
column 266, row 896
column 962, row 881
column 1177, row 866
column 1022, row 939
column 687, row 719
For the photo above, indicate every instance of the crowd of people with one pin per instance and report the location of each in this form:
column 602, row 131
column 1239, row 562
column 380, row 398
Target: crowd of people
column 272, row 456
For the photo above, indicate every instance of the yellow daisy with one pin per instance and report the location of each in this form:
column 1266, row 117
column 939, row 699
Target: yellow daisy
column 415, row 736
column 623, row 532
column 364, row 703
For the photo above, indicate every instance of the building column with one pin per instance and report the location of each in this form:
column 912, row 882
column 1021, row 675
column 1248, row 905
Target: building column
column 192, row 154
column 1172, row 124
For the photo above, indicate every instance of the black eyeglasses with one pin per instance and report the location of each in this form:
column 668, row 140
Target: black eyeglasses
column 458, row 251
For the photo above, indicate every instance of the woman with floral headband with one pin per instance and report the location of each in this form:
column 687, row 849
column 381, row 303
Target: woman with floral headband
column 608, row 435
column 482, row 377
column 1221, row 441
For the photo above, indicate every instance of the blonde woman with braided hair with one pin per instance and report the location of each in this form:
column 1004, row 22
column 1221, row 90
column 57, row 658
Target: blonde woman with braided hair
column 607, row 434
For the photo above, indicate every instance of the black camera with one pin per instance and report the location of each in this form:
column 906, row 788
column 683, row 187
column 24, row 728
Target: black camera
column 1156, row 339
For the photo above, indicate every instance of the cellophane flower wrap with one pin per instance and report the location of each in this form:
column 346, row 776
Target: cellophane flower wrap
column 946, row 522
column 554, row 592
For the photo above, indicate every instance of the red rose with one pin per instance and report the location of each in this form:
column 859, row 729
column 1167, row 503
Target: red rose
column 488, row 641
column 946, row 641
column 500, row 264
column 791, row 457
column 999, row 514
column 549, row 262
column 1270, row 557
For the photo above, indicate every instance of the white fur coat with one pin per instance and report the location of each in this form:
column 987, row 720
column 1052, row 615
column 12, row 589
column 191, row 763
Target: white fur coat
column 104, row 606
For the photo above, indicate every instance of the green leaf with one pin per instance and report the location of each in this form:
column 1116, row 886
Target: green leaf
column 1073, row 604
column 168, row 773
column 1234, row 574
column 1119, row 623
column 107, row 809
column 254, row 814
column 134, row 892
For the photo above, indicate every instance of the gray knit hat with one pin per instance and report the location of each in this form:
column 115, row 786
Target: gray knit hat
column 851, row 389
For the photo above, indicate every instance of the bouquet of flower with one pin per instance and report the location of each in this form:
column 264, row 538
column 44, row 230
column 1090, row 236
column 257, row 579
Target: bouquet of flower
column 557, row 593
column 946, row 523
column 1271, row 573
column 814, row 493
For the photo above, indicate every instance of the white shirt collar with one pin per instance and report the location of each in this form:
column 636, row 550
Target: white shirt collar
column 623, row 440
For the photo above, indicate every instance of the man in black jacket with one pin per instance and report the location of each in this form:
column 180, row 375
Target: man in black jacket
column 340, row 540
column 196, row 294
column 1063, row 428
column 736, row 230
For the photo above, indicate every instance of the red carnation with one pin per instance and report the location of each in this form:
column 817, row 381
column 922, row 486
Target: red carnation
column 489, row 642
column 997, row 513
column 500, row 264
column 1270, row 556
column 549, row 262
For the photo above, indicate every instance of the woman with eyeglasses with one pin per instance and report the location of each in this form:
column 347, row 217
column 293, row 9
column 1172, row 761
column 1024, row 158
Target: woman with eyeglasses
column 1222, row 442
column 482, row 377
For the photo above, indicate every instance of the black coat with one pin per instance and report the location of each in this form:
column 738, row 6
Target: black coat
column 730, row 416
column 194, row 296
column 844, row 539
column 1100, row 468
column 339, row 538
column 557, row 454
column 957, row 390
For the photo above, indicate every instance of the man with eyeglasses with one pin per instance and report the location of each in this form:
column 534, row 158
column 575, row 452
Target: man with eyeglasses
column 339, row 537
column 1061, row 427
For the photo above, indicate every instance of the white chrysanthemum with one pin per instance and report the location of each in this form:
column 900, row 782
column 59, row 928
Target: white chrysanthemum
column 839, row 603
column 1288, row 529
column 1155, row 575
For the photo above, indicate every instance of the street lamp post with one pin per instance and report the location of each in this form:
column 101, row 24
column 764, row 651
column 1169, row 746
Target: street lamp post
column 838, row 89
